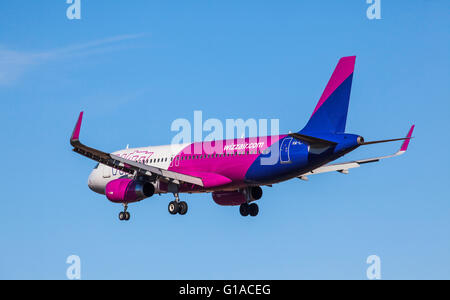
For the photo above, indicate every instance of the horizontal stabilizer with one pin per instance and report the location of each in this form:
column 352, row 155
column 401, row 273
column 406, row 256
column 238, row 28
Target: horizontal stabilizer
column 312, row 140
column 385, row 141
column 344, row 167
column 404, row 145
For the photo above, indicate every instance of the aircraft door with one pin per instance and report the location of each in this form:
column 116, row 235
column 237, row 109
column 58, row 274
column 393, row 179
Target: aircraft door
column 106, row 171
column 284, row 151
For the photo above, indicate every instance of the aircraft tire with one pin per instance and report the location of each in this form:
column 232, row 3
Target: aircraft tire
column 174, row 207
column 253, row 209
column 244, row 209
column 183, row 208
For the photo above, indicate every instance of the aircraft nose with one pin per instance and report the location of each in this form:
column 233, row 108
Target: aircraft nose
column 91, row 181
column 94, row 182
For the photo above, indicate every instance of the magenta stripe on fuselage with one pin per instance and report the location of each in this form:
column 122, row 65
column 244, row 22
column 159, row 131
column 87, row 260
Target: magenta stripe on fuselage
column 226, row 161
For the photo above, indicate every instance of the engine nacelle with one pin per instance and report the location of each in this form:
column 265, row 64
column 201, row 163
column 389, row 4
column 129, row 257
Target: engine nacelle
column 229, row 198
column 125, row 190
column 237, row 197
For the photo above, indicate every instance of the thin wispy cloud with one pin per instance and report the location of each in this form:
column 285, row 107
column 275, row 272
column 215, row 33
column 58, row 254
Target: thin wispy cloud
column 13, row 63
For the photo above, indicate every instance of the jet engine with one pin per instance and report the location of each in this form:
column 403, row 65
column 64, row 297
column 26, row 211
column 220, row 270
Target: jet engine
column 125, row 190
column 237, row 197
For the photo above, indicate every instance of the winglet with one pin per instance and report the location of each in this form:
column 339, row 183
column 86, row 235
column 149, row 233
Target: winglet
column 76, row 132
column 408, row 138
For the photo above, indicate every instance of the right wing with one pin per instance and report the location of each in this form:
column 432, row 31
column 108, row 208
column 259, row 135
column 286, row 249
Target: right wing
column 127, row 165
column 344, row 167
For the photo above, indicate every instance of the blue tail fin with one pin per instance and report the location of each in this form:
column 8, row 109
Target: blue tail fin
column 330, row 114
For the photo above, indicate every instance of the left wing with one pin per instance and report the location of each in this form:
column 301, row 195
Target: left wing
column 127, row 165
column 344, row 167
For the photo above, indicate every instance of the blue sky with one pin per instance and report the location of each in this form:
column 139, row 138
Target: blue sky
column 134, row 68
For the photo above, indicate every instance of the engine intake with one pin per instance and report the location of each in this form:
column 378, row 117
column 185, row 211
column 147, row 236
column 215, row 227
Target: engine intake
column 125, row 190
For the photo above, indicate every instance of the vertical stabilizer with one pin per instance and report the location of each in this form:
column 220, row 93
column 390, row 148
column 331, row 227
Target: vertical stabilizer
column 330, row 114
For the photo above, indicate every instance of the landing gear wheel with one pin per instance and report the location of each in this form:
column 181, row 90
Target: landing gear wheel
column 183, row 208
column 174, row 207
column 244, row 209
column 253, row 209
column 124, row 216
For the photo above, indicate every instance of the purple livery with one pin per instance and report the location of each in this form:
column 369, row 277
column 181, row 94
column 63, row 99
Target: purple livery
column 234, row 171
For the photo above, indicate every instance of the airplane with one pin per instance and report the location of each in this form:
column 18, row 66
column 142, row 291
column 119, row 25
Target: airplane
column 236, row 172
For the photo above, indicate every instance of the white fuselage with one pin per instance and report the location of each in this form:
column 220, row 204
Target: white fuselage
column 157, row 156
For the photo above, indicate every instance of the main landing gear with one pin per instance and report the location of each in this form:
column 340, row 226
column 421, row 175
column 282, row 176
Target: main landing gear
column 124, row 215
column 249, row 209
column 177, row 206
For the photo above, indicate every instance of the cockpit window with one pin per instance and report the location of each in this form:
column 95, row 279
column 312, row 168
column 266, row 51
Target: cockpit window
column 96, row 166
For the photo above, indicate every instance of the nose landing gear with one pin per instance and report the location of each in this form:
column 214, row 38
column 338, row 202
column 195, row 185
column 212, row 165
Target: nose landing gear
column 124, row 215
